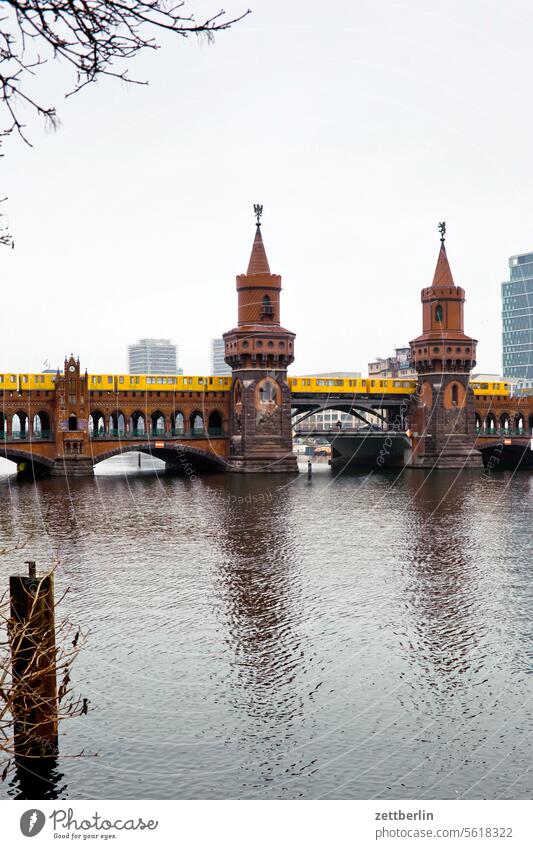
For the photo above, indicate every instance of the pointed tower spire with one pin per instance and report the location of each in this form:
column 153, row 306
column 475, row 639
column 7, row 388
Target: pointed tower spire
column 443, row 274
column 258, row 259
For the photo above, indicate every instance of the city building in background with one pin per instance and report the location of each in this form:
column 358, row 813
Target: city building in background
column 153, row 356
column 218, row 364
column 517, row 319
column 397, row 366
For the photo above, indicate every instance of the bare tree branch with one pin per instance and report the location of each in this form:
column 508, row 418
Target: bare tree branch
column 21, row 691
column 94, row 37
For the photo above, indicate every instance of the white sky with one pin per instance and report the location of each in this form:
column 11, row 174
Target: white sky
column 358, row 124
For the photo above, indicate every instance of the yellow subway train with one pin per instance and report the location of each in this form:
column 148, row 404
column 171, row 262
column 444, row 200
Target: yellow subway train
column 214, row 383
column 158, row 382
column 351, row 385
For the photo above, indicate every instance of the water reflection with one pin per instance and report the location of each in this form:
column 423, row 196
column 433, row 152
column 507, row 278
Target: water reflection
column 35, row 779
column 260, row 590
column 256, row 636
column 441, row 592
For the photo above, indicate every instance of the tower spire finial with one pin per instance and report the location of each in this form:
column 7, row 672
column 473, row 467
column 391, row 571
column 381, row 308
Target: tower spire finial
column 442, row 231
column 258, row 211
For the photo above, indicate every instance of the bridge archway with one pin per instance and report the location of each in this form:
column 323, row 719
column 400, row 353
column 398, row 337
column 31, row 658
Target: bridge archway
column 73, row 422
column 505, row 421
column 519, row 422
column 177, row 423
column 214, row 423
column 3, row 425
column 19, row 425
column 157, row 421
column 96, row 422
column 138, row 423
column 29, row 463
column 181, row 458
column 479, row 423
column 490, row 423
column 530, row 423
column 300, row 414
column 117, row 423
column 41, row 424
column 196, row 421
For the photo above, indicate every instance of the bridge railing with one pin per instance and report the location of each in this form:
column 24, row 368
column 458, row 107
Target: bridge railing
column 136, row 433
column 25, row 435
column 506, row 433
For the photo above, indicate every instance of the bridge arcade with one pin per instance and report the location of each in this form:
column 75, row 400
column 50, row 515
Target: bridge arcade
column 247, row 426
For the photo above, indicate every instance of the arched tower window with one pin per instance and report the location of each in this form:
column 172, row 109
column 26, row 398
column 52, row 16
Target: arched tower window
column 455, row 394
column 267, row 308
column 438, row 313
column 267, row 392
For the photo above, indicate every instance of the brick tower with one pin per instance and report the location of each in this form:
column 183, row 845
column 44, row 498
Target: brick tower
column 259, row 350
column 72, row 412
column 443, row 416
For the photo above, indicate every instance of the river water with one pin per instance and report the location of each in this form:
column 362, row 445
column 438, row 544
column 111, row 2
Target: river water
column 355, row 636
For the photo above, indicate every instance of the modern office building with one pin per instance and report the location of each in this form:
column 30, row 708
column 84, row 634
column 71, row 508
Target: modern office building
column 218, row 365
column 153, row 356
column 517, row 319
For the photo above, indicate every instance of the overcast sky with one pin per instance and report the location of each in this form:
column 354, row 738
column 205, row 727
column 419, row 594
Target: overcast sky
column 357, row 124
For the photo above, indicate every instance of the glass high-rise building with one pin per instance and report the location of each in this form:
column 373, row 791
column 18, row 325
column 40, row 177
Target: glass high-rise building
column 218, row 364
column 517, row 318
column 153, row 356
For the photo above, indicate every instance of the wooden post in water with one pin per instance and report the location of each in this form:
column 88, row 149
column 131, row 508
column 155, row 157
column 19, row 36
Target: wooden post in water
column 33, row 659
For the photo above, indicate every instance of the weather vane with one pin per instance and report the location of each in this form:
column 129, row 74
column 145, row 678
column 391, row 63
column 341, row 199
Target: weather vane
column 442, row 231
column 258, row 211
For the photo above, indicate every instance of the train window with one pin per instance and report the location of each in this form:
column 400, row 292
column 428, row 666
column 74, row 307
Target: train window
column 484, row 385
column 320, row 383
column 372, row 382
column 121, row 380
column 396, row 383
column 200, row 380
column 159, row 380
column 109, row 378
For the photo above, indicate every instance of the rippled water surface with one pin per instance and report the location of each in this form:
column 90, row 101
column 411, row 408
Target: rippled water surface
column 273, row 637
